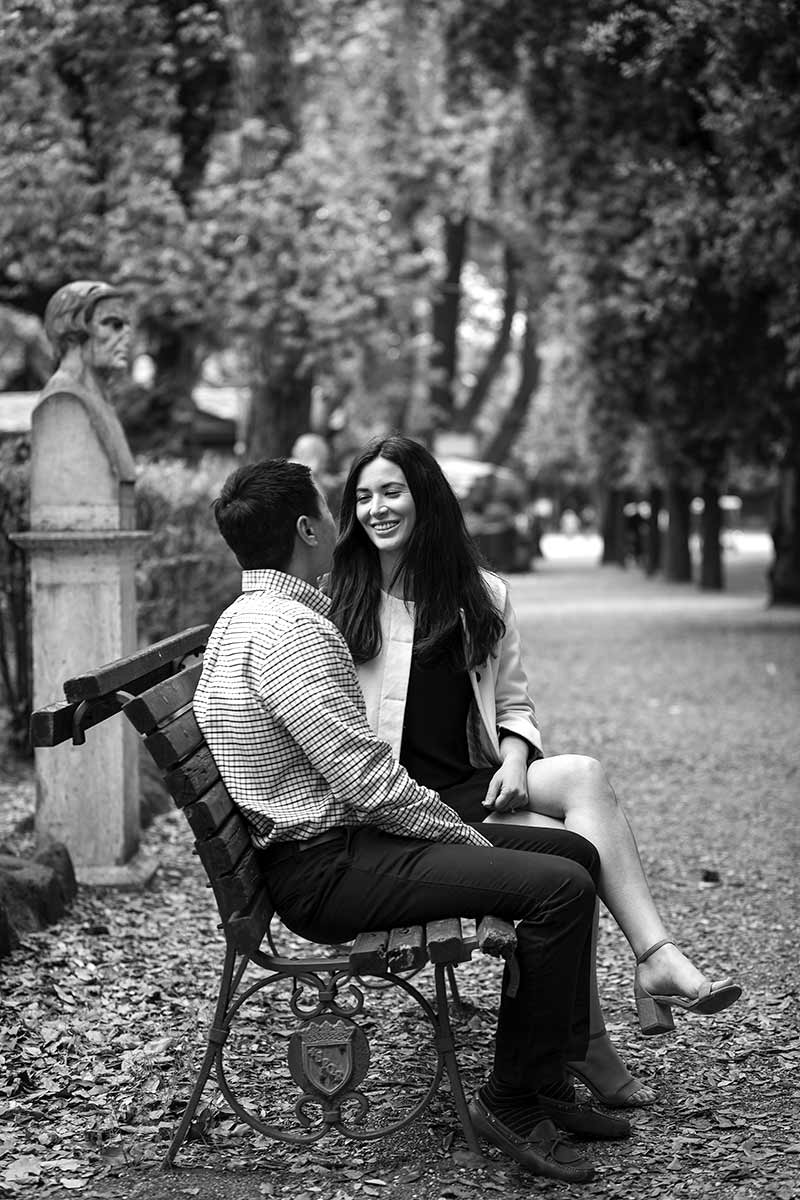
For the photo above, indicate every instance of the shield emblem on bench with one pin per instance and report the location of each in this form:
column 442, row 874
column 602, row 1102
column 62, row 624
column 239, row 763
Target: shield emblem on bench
column 328, row 1055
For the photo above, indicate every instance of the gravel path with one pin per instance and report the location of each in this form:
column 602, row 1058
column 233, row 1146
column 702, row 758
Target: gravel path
column 692, row 701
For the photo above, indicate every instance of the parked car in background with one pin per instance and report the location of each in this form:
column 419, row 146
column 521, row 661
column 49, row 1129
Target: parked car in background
column 496, row 511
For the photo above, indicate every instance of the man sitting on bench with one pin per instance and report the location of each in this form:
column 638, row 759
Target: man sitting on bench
column 352, row 843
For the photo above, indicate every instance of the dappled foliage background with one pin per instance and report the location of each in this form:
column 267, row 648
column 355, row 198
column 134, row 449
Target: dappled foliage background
column 572, row 234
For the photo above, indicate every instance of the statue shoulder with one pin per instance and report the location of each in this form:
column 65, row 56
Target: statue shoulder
column 82, row 393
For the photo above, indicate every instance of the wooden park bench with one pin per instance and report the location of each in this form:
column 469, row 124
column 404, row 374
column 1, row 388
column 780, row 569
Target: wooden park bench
column 328, row 1050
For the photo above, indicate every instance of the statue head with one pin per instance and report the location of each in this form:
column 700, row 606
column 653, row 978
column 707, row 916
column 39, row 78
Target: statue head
column 90, row 314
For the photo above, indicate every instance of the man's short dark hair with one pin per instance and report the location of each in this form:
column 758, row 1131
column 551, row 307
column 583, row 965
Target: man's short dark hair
column 257, row 511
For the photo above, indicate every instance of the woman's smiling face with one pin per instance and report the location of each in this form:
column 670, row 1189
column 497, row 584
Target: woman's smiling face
column 384, row 506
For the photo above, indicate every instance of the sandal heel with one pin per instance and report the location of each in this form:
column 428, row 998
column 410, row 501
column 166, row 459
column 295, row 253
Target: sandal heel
column 654, row 1017
column 655, row 1011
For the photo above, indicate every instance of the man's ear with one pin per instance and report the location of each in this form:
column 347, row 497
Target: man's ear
column 306, row 531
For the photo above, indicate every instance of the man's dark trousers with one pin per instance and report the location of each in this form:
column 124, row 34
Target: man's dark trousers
column 544, row 879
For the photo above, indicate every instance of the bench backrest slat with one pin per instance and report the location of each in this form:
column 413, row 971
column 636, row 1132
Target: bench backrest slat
column 193, row 778
column 118, row 675
column 175, row 740
column 208, row 814
column 161, row 702
column 247, row 927
column 52, row 725
column 221, row 852
column 239, row 889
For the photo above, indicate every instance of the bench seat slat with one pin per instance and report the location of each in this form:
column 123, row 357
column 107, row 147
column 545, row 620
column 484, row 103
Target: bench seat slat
column 174, row 741
column 147, row 711
column 496, row 937
column 406, row 951
column 119, row 675
column 445, row 941
column 368, row 955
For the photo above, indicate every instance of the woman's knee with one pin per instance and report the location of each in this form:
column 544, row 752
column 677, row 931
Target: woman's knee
column 585, row 783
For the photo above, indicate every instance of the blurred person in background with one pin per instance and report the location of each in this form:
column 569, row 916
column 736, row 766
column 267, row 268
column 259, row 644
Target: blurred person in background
column 313, row 451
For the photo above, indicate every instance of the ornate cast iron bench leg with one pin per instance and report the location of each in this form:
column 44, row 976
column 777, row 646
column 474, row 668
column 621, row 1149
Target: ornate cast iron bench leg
column 446, row 1047
column 328, row 1054
column 217, row 1036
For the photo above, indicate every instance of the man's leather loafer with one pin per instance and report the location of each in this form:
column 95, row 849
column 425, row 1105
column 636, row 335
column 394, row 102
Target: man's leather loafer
column 544, row 1151
column 583, row 1120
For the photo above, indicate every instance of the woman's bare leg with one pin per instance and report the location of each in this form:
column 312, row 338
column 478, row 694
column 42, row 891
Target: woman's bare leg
column 603, row 1071
column 574, row 788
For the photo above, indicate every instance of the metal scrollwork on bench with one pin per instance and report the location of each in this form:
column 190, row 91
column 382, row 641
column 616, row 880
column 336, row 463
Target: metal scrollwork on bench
column 326, row 998
column 329, row 1058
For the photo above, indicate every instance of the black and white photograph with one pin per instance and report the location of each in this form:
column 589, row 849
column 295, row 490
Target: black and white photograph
column 399, row 599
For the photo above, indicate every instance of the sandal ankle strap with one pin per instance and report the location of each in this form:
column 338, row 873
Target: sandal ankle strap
column 652, row 949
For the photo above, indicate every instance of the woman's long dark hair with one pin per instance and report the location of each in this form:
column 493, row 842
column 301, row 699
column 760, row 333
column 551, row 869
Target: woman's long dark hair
column 440, row 567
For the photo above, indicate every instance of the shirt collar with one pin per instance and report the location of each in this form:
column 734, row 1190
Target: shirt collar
column 287, row 585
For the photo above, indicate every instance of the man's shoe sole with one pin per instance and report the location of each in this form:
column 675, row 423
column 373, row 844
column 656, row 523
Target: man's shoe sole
column 524, row 1151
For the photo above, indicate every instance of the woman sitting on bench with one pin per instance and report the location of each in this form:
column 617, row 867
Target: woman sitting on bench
column 437, row 648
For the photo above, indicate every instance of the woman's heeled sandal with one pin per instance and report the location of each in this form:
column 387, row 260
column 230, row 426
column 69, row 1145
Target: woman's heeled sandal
column 631, row 1093
column 655, row 1011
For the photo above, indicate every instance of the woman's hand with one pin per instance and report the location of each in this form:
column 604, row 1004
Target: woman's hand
column 508, row 787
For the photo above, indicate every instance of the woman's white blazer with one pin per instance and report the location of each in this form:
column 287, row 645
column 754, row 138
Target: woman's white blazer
column 499, row 686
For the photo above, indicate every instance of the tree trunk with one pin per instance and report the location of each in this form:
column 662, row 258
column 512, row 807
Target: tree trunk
column 678, row 561
column 497, row 449
column 784, row 574
column 711, row 574
column 653, row 550
column 464, row 417
column 446, row 309
column 612, row 526
column 15, row 631
column 267, row 87
column 265, row 81
column 280, row 407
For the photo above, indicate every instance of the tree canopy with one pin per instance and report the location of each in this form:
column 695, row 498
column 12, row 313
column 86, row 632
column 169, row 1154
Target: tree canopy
column 387, row 212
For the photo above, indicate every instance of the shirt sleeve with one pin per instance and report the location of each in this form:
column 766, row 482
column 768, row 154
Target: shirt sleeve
column 313, row 693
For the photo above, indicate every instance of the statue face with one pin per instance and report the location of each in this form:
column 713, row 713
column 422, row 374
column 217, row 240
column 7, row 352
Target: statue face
column 108, row 348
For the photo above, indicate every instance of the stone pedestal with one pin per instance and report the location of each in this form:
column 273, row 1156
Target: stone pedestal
column 84, row 614
column 82, row 549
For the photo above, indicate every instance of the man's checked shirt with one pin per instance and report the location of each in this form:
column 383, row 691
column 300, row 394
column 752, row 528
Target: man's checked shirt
column 282, row 712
